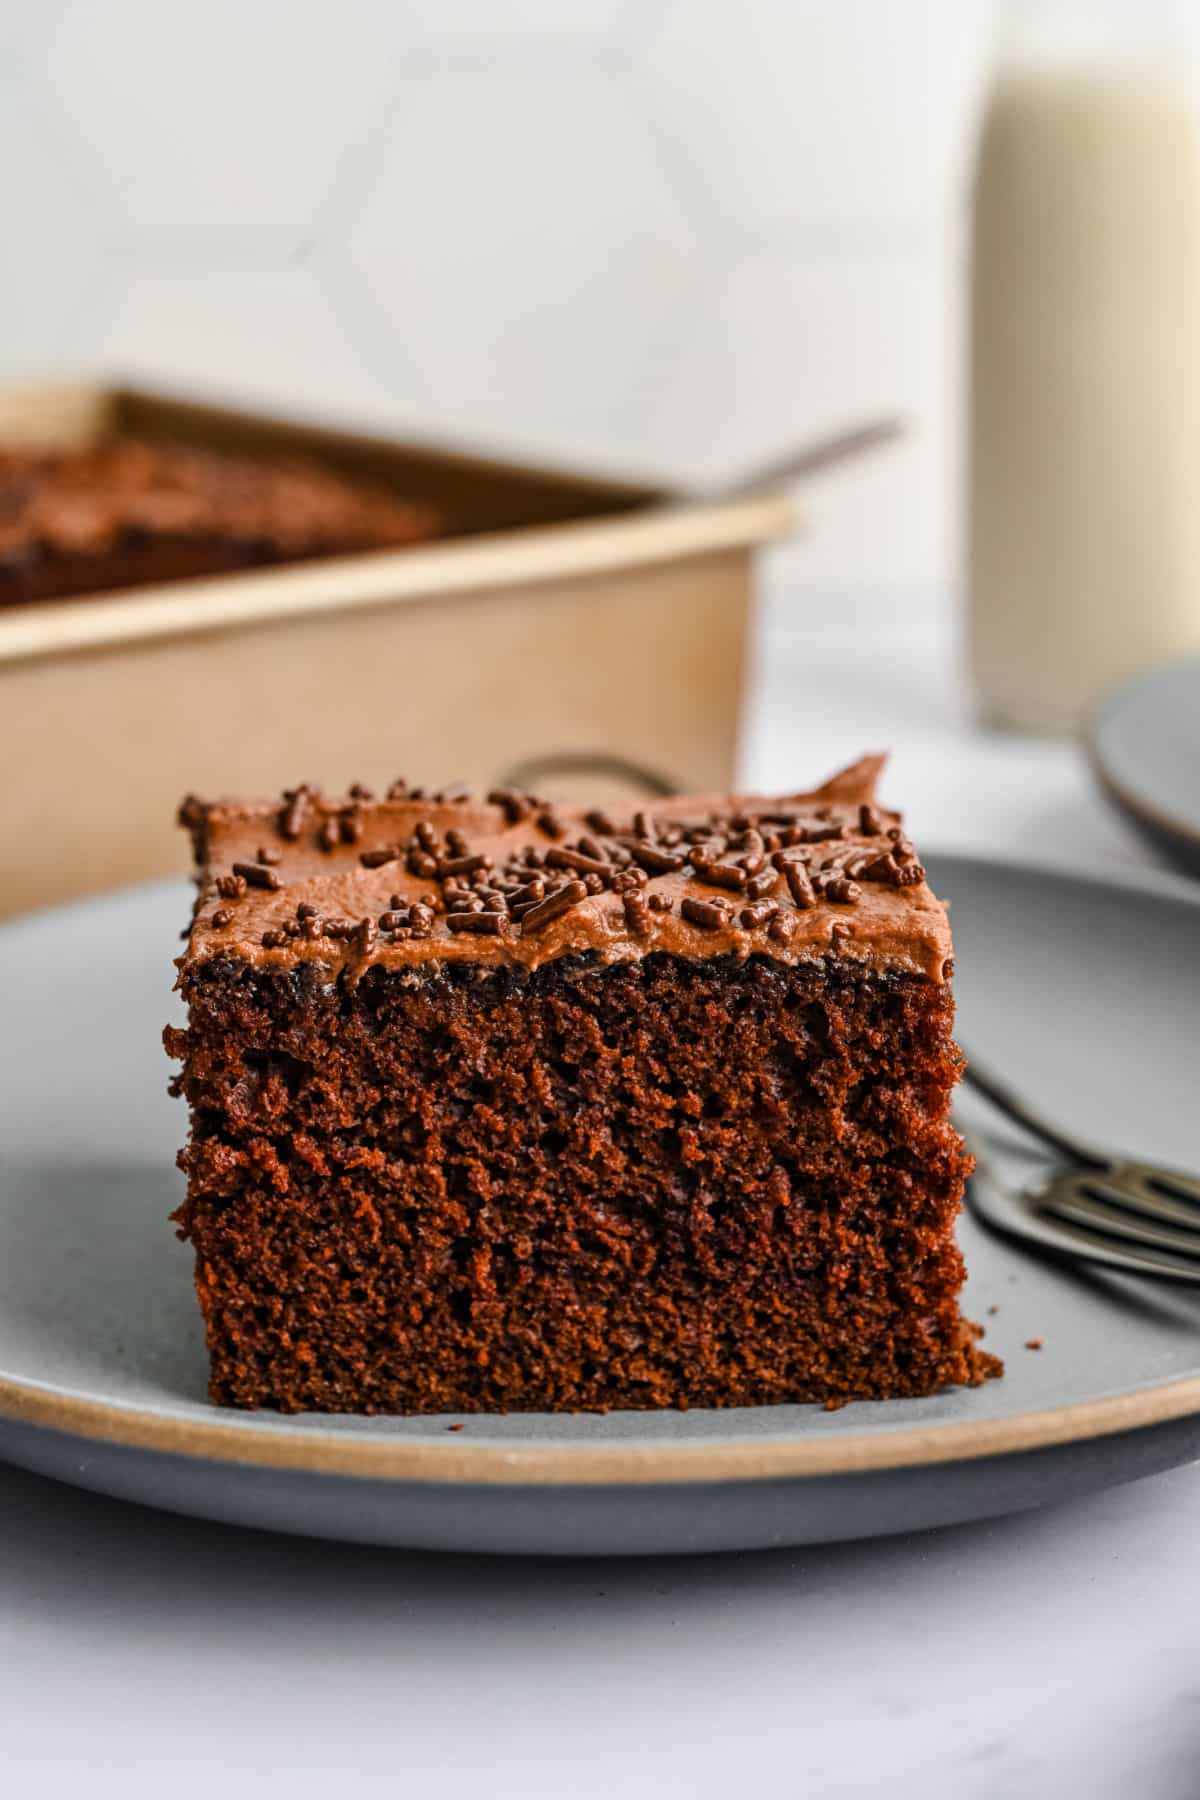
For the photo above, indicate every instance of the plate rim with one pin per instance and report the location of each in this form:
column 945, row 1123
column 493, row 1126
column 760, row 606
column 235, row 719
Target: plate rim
column 246, row 1440
column 358, row 1456
column 1144, row 810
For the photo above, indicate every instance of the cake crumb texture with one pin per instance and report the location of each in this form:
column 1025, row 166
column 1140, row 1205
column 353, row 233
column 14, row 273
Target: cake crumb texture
column 663, row 1183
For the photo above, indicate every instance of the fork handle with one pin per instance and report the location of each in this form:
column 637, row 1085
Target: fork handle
column 994, row 1088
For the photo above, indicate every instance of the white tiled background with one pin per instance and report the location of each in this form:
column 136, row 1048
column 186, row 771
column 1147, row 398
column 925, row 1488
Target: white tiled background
column 677, row 234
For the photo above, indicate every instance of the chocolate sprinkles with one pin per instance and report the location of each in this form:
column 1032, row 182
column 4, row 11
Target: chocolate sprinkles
column 378, row 859
column 256, row 875
column 295, row 810
column 764, row 883
column 650, row 857
column 553, row 906
column 710, row 915
column 761, row 913
column 799, row 884
column 637, row 912
column 516, row 806
column 724, row 875
column 768, row 866
column 486, row 924
column 580, row 860
column 841, row 890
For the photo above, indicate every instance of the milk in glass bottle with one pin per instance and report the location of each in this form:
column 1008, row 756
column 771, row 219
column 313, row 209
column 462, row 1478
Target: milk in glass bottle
column 1084, row 437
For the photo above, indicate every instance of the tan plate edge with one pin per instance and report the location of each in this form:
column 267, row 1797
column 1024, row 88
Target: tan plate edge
column 601, row 1465
column 457, row 566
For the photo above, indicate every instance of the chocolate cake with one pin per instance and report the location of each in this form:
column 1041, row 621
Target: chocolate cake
column 500, row 1105
column 127, row 511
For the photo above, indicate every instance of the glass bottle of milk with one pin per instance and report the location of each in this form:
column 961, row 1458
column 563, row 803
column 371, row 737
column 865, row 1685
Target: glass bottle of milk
column 1084, row 454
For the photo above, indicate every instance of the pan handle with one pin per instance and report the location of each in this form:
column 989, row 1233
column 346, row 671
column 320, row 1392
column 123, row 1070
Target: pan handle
column 534, row 769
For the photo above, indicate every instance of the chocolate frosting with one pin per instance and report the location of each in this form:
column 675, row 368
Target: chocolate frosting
column 352, row 882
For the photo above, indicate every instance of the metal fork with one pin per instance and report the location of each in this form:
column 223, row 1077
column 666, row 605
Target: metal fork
column 1101, row 1207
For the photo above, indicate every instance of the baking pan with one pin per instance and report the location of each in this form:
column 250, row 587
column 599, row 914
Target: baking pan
column 562, row 614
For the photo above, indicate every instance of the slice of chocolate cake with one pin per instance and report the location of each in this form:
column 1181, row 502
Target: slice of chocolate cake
column 504, row 1106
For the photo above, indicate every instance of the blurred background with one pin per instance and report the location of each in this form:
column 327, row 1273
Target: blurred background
column 666, row 237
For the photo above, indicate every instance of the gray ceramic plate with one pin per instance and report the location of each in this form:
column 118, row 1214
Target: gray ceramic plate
column 1087, row 990
column 1144, row 741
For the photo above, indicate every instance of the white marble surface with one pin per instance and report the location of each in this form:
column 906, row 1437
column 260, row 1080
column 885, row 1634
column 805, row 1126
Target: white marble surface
column 1053, row 1654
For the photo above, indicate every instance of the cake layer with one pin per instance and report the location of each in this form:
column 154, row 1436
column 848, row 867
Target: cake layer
column 669, row 1182
column 418, row 880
